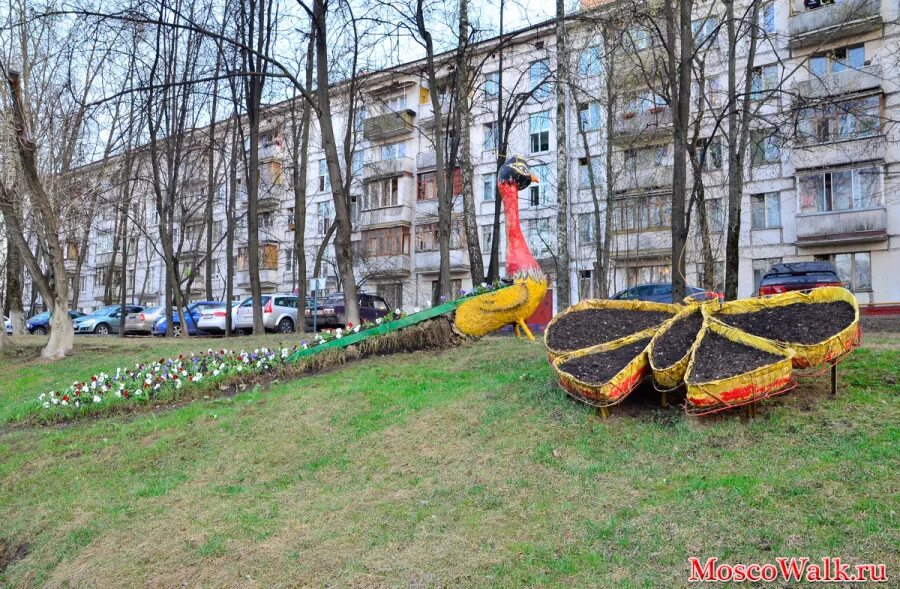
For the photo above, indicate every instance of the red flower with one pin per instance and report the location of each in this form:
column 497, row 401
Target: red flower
column 349, row 324
column 93, row 379
column 125, row 394
column 65, row 397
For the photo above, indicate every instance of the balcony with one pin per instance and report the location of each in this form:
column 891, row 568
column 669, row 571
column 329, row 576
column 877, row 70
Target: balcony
column 386, row 216
column 837, row 153
column 648, row 177
column 851, row 226
column 868, row 77
column 268, row 279
column 654, row 124
column 828, row 23
column 398, row 266
column 390, row 124
column 426, row 161
column 429, row 262
column 104, row 259
column 395, row 167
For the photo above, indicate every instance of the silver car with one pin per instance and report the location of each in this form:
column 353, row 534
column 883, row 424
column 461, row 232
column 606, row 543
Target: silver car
column 7, row 324
column 279, row 313
column 142, row 322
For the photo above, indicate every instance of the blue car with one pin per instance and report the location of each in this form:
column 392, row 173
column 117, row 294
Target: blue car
column 661, row 292
column 40, row 323
column 191, row 316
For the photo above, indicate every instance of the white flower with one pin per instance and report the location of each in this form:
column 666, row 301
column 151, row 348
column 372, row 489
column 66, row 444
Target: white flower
column 77, row 403
column 398, row 312
column 64, row 402
column 416, row 309
column 42, row 396
column 356, row 329
column 378, row 321
column 215, row 372
column 97, row 398
column 46, row 405
column 484, row 285
column 54, row 400
column 178, row 384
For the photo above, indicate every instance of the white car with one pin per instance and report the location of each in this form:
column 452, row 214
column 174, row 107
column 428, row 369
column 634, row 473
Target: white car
column 212, row 321
column 8, row 325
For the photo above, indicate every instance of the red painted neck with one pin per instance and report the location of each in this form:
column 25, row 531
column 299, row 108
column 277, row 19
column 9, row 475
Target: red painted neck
column 518, row 257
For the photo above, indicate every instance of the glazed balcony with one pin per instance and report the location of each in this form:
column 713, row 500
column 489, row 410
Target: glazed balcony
column 646, row 177
column 868, row 77
column 401, row 214
column 394, row 167
column 653, row 124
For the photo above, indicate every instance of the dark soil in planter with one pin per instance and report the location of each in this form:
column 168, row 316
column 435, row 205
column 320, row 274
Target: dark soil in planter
column 599, row 368
column 582, row 329
column 800, row 323
column 718, row 357
column 675, row 343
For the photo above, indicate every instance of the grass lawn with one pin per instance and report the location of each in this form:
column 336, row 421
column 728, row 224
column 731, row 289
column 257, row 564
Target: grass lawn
column 468, row 468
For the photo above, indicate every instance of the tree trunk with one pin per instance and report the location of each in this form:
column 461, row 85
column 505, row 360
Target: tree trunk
column 229, row 230
column 342, row 245
column 464, row 118
column 14, row 286
column 300, row 154
column 563, row 283
column 494, row 261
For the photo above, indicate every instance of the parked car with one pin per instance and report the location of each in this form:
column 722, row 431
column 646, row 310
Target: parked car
column 7, row 324
column 661, row 292
column 330, row 312
column 191, row 317
column 798, row 276
column 142, row 322
column 279, row 313
column 104, row 320
column 40, row 323
column 212, row 321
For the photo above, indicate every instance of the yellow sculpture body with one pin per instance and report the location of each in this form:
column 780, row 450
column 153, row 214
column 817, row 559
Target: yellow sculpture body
column 487, row 312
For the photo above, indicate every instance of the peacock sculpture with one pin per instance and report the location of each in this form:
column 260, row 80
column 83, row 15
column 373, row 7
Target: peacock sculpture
column 512, row 305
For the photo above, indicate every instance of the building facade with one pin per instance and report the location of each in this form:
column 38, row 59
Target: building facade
column 822, row 179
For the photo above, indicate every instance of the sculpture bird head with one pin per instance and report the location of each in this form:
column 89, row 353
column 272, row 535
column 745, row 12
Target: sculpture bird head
column 515, row 170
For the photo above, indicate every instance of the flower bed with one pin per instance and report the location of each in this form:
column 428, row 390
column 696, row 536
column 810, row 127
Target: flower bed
column 162, row 379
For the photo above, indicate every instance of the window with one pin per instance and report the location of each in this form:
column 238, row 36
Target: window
column 644, row 274
column 538, row 236
column 854, row 270
column 324, row 216
column 393, row 151
column 760, row 267
column 585, row 223
column 718, row 275
column 585, row 169
column 85, row 282
column 489, row 186
column 764, row 148
column 427, row 236
column 715, row 214
column 589, row 62
column 585, row 285
column 396, row 103
column 765, row 210
column 650, row 213
column 270, row 173
column 104, row 243
column 846, row 119
column 839, row 190
column 709, row 153
column 705, row 31
column 644, row 102
column 359, row 119
column 357, row 162
column 764, row 79
column 638, row 39
column 491, row 85
column 538, row 74
column 269, row 258
column 266, row 220
column 589, row 116
column 767, row 18
column 382, row 193
column 539, row 124
column 455, row 288
column 539, row 194
column 427, row 185
column 323, row 184
column 289, row 260
column 389, row 241
column 838, row 60
column 645, row 158
column 491, row 137
column 392, row 293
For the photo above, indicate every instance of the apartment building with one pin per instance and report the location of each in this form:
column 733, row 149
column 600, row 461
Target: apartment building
column 826, row 190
